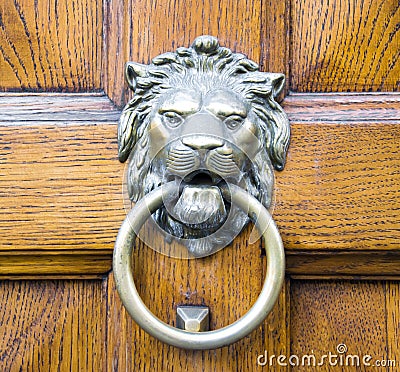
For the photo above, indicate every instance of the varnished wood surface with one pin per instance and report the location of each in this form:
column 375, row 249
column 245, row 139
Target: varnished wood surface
column 343, row 108
column 139, row 31
column 61, row 187
column 364, row 316
column 228, row 282
column 392, row 302
column 72, row 325
column 275, row 38
column 50, row 45
column 52, row 326
column 339, row 46
column 346, row 264
column 340, row 187
column 69, row 263
column 81, row 325
column 61, row 182
column 40, row 108
column 345, row 148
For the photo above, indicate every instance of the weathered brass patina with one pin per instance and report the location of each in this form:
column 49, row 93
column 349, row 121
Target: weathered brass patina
column 203, row 133
column 193, row 318
column 202, row 116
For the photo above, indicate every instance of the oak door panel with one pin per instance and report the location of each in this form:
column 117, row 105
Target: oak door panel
column 362, row 316
column 336, row 202
column 345, row 45
column 60, row 184
column 341, row 187
column 52, row 325
column 50, row 45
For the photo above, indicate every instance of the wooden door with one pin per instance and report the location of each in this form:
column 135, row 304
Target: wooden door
column 336, row 205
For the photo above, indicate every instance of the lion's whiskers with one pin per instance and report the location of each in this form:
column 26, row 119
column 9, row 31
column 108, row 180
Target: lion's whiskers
column 222, row 164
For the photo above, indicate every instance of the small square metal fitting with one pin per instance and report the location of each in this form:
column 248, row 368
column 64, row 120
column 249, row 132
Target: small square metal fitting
column 193, row 318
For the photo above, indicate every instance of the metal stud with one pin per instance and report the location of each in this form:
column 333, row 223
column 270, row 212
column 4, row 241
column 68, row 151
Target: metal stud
column 193, row 318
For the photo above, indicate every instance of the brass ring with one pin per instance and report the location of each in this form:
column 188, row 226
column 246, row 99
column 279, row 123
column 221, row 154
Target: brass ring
column 198, row 340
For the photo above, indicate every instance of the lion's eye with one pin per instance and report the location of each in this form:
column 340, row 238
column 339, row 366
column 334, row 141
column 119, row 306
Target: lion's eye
column 172, row 119
column 233, row 121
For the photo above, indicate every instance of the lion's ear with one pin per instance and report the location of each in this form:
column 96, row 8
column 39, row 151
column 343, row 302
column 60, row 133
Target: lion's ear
column 280, row 128
column 277, row 82
column 134, row 70
column 127, row 129
column 279, row 123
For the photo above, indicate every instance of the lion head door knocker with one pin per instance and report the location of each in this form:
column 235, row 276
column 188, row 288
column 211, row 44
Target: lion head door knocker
column 203, row 133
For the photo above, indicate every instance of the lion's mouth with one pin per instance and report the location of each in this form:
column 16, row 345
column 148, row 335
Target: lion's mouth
column 200, row 204
column 202, row 177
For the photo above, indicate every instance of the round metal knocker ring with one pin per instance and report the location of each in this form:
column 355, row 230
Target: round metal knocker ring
column 198, row 340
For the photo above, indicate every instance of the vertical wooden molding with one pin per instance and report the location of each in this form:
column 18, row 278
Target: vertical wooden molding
column 393, row 323
column 275, row 38
column 277, row 328
column 116, row 43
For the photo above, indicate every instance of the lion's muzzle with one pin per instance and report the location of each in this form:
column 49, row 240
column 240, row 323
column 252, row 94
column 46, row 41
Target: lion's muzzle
column 200, row 163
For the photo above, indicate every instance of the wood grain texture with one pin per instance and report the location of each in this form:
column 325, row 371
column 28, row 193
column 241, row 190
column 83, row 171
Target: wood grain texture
column 59, row 189
column 50, row 45
column 60, row 184
column 140, row 30
column 392, row 305
column 340, row 46
column 78, row 108
column 71, row 263
column 52, row 326
column 345, row 264
column 326, row 314
column 336, row 141
column 275, row 39
column 343, row 108
column 58, row 181
column 229, row 282
column 340, row 187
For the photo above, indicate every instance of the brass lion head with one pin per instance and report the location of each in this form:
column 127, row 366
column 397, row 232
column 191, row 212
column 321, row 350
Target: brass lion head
column 202, row 116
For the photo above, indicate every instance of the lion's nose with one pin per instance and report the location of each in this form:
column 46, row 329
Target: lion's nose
column 198, row 142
